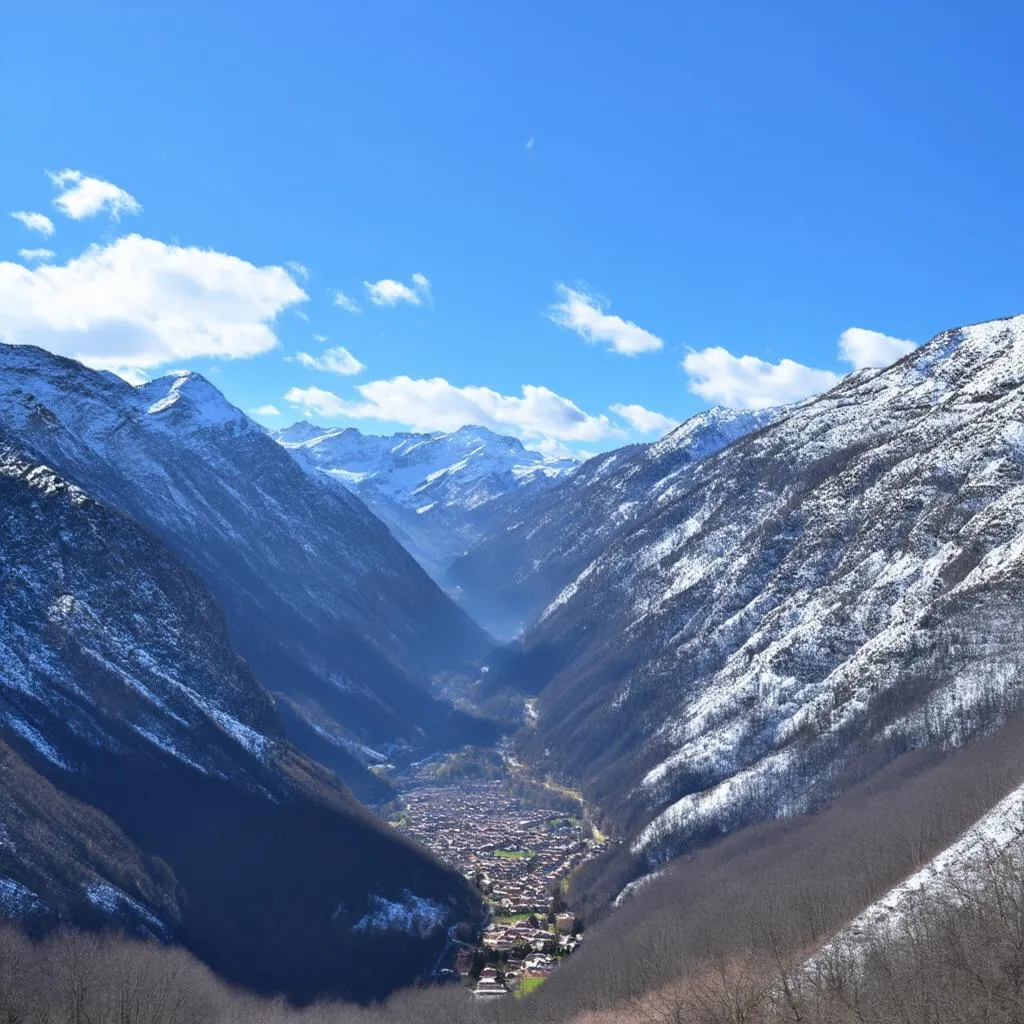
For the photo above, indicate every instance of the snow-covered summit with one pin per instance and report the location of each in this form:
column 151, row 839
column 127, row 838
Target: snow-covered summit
column 436, row 491
column 189, row 399
column 706, row 432
column 475, row 463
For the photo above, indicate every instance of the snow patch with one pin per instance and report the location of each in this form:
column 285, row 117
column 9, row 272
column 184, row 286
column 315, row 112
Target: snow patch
column 634, row 887
column 17, row 900
column 114, row 901
column 36, row 738
column 414, row 915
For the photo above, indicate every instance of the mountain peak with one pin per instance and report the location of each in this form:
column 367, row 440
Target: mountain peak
column 45, row 369
column 974, row 361
column 713, row 428
column 303, row 432
column 475, row 430
column 189, row 397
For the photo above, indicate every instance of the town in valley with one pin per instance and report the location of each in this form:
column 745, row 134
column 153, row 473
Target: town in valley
column 517, row 841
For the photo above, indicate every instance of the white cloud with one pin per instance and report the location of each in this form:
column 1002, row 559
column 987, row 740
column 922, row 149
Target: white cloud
column 644, row 420
column 435, row 404
column 552, row 448
column 585, row 315
column 860, row 348
column 298, row 269
column 139, row 303
column 266, row 410
column 35, row 222
column 318, row 402
column 322, row 338
column 529, row 143
column 746, row 382
column 132, row 374
column 42, row 255
column 82, row 196
column 344, row 301
column 422, row 286
column 334, row 360
column 390, row 293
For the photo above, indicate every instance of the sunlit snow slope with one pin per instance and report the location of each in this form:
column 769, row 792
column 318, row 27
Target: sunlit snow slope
column 800, row 606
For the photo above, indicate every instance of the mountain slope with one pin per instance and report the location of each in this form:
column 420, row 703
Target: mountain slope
column 955, row 870
column 331, row 613
column 145, row 781
column 794, row 610
column 439, row 493
column 545, row 538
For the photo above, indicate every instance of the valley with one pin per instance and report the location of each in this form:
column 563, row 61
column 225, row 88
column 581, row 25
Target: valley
column 721, row 637
column 511, row 513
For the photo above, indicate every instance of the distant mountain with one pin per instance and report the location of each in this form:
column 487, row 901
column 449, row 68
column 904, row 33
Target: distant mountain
column 332, row 615
column 788, row 614
column 439, row 493
column 545, row 537
column 145, row 781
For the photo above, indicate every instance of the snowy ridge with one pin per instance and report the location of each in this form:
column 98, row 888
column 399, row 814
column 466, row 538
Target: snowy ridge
column 632, row 888
column 192, row 399
column 462, row 469
column 707, row 432
column 545, row 540
column 836, row 583
column 438, row 492
column 288, row 554
column 125, row 712
column 168, row 681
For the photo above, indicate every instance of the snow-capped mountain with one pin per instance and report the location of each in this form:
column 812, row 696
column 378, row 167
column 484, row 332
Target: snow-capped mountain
column 818, row 596
column 545, row 537
column 440, row 493
column 145, row 781
column 332, row 615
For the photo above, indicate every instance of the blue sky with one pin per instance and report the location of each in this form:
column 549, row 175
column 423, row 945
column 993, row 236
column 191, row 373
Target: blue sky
column 738, row 184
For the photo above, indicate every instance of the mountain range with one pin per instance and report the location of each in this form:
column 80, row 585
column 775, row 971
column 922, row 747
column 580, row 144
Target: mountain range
column 547, row 536
column 439, row 493
column 750, row 619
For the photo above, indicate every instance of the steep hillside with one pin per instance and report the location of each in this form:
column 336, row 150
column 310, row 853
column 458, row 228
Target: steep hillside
column 735, row 922
column 145, row 781
column 545, row 538
column 439, row 493
column 794, row 610
column 333, row 616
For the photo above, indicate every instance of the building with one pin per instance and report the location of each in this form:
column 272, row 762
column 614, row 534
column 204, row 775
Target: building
column 491, row 985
